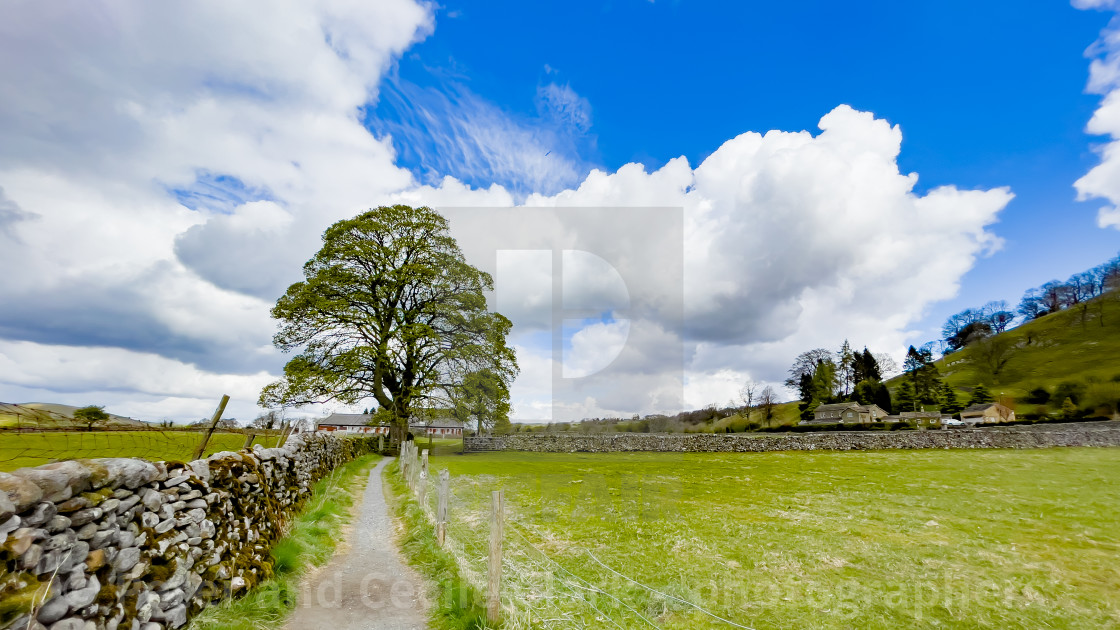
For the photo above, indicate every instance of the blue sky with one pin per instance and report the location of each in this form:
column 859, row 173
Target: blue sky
column 987, row 94
column 167, row 168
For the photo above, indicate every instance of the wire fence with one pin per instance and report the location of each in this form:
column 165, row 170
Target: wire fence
column 538, row 588
column 32, row 437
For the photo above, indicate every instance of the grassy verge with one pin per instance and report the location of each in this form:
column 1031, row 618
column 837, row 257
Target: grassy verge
column 19, row 450
column 458, row 606
column 310, row 543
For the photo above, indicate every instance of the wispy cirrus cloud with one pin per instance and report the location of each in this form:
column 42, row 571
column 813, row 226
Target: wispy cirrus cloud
column 451, row 131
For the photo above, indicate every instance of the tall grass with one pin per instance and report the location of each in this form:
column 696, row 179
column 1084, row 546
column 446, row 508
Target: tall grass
column 458, row 606
column 310, row 543
column 896, row 539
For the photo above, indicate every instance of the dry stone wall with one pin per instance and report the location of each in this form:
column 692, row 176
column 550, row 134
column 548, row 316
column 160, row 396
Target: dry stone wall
column 1088, row 434
column 127, row 543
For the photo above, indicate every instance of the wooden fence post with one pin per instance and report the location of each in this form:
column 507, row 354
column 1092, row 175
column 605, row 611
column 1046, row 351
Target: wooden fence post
column 494, row 567
column 441, row 511
column 213, row 423
column 380, row 443
column 249, row 440
column 412, row 463
column 422, row 482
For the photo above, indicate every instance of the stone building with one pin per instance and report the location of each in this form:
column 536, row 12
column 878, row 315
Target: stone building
column 351, row 423
column 359, row 423
column 846, row 413
column 987, row 412
column 922, row 419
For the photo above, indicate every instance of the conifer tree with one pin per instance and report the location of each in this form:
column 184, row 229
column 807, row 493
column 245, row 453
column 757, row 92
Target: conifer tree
column 949, row 402
column 981, row 395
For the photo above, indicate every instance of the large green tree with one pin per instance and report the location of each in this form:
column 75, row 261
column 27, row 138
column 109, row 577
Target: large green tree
column 91, row 415
column 483, row 400
column 905, row 399
column 845, row 368
column 923, row 375
column 869, row 392
column 390, row 310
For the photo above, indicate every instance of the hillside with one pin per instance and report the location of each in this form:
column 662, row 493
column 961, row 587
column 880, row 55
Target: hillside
column 1073, row 352
column 50, row 415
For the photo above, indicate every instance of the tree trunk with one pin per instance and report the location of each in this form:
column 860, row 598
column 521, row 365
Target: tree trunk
column 398, row 430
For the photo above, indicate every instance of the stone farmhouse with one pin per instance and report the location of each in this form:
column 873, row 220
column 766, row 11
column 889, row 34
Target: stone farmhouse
column 846, row 413
column 987, row 412
column 358, row 423
column 920, row 419
column 445, row 427
column 855, row 413
column 350, row 423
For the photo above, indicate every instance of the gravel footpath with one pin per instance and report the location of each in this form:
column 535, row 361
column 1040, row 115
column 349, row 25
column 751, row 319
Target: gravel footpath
column 369, row 587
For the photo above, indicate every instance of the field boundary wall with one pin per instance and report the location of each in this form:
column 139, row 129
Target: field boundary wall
column 128, row 543
column 1034, row 436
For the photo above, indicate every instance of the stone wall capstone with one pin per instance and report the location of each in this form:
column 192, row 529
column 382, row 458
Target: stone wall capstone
column 127, row 543
column 1037, row 436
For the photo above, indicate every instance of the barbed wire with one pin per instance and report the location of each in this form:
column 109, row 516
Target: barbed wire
column 516, row 528
column 467, row 552
column 673, row 597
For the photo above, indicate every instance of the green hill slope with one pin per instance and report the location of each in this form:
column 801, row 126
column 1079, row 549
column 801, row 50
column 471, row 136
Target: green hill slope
column 50, row 415
column 1075, row 353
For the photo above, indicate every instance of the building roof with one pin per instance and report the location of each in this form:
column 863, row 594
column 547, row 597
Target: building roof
column 363, row 419
column 920, row 414
column 442, row 423
column 982, row 407
column 347, row 419
column 836, row 407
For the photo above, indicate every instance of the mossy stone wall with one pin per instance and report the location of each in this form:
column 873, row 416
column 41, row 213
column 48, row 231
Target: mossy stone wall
column 126, row 543
column 1034, row 436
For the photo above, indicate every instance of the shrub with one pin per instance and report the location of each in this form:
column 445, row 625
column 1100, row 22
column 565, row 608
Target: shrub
column 1038, row 396
column 1074, row 390
column 1102, row 399
column 735, row 424
column 1069, row 408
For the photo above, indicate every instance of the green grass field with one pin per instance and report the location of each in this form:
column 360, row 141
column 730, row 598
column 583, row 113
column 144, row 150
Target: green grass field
column 948, row 539
column 442, row 446
column 19, row 450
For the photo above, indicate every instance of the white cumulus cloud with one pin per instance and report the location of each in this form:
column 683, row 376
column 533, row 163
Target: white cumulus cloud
column 112, row 114
column 166, row 169
column 791, row 241
column 1103, row 180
